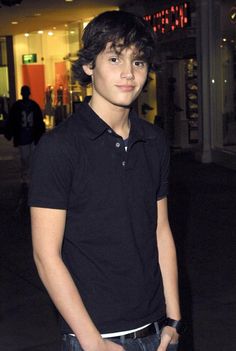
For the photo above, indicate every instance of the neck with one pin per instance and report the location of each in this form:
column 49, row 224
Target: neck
column 117, row 117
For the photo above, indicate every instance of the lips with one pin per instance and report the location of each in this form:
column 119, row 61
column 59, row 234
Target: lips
column 125, row 88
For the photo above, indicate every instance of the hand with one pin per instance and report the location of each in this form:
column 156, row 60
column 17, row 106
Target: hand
column 112, row 346
column 169, row 335
column 105, row 345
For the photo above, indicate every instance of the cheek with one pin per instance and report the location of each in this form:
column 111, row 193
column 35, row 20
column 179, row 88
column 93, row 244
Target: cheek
column 142, row 77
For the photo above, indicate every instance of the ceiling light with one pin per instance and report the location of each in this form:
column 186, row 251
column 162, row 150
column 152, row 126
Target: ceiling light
column 50, row 33
column 40, row 31
column 26, row 34
column 14, row 22
column 69, row 0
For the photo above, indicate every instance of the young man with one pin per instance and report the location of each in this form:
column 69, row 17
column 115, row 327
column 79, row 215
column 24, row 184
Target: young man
column 101, row 237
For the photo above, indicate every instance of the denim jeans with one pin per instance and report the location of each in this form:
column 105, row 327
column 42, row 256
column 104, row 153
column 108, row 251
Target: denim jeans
column 148, row 343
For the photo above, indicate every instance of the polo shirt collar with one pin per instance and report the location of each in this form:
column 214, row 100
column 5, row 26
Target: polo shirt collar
column 93, row 126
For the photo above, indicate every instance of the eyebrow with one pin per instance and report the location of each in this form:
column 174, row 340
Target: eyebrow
column 118, row 51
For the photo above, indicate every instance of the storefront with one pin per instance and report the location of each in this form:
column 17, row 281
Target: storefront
column 196, row 75
column 43, row 61
column 176, row 78
column 222, row 63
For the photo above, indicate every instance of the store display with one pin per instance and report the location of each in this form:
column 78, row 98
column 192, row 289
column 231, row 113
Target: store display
column 192, row 100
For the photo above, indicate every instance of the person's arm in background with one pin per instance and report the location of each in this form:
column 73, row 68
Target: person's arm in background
column 168, row 266
column 47, row 235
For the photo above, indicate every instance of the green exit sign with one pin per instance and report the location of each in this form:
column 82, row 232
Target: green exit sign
column 29, row 58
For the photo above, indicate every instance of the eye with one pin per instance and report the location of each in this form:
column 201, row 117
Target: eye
column 114, row 59
column 140, row 63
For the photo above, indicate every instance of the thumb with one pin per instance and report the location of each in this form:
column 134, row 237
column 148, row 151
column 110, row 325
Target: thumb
column 165, row 340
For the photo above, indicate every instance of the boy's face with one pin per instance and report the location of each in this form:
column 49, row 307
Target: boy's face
column 118, row 76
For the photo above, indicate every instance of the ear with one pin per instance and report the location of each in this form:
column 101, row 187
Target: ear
column 88, row 69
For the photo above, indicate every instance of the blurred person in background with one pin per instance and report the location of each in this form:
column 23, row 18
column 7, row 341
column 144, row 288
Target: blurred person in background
column 25, row 126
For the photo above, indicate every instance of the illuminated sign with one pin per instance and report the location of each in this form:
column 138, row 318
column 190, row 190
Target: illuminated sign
column 29, row 58
column 170, row 19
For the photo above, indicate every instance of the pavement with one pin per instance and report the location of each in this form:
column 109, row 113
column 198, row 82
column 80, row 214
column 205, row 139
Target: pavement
column 202, row 211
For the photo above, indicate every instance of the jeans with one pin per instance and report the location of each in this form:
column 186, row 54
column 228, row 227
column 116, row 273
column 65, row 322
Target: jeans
column 148, row 343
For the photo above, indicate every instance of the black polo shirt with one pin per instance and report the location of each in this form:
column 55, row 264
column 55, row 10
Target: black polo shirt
column 111, row 198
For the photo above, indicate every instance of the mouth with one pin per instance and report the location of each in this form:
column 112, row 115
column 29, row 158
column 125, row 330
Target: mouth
column 125, row 88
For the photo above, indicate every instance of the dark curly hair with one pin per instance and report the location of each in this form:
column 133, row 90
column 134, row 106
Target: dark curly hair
column 120, row 28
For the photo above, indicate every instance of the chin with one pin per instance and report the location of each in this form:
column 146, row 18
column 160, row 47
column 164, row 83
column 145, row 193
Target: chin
column 123, row 103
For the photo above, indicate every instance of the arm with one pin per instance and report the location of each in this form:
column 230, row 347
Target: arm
column 168, row 266
column 47, row 236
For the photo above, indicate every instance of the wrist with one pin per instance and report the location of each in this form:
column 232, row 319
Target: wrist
column 177, row 324
column 91, row 343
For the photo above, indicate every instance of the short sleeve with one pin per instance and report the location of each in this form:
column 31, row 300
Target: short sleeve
column 51, row 173
column 164, row 167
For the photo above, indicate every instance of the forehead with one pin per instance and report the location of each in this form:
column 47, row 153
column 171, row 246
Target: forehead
column 120, row 49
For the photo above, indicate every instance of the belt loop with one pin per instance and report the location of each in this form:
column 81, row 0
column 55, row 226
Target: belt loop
column 157, row 327
column 122, row 339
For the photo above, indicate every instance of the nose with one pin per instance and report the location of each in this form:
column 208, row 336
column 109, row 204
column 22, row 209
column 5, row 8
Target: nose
column 127, row 71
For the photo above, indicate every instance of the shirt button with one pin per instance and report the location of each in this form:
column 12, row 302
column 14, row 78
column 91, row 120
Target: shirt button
column 117, row 144
column 109, row 131
column 123, row 163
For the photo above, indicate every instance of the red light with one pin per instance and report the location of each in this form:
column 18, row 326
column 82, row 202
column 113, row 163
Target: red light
column 163, row 13
column 177, row 8
column 163, row 21
column 185, row 19
column 172, row 9
column 167, row 12
column 163, row 30
column 177, row 23
column 167, row 20
column 155, row 28
column 172, row 27
column 185, row 6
